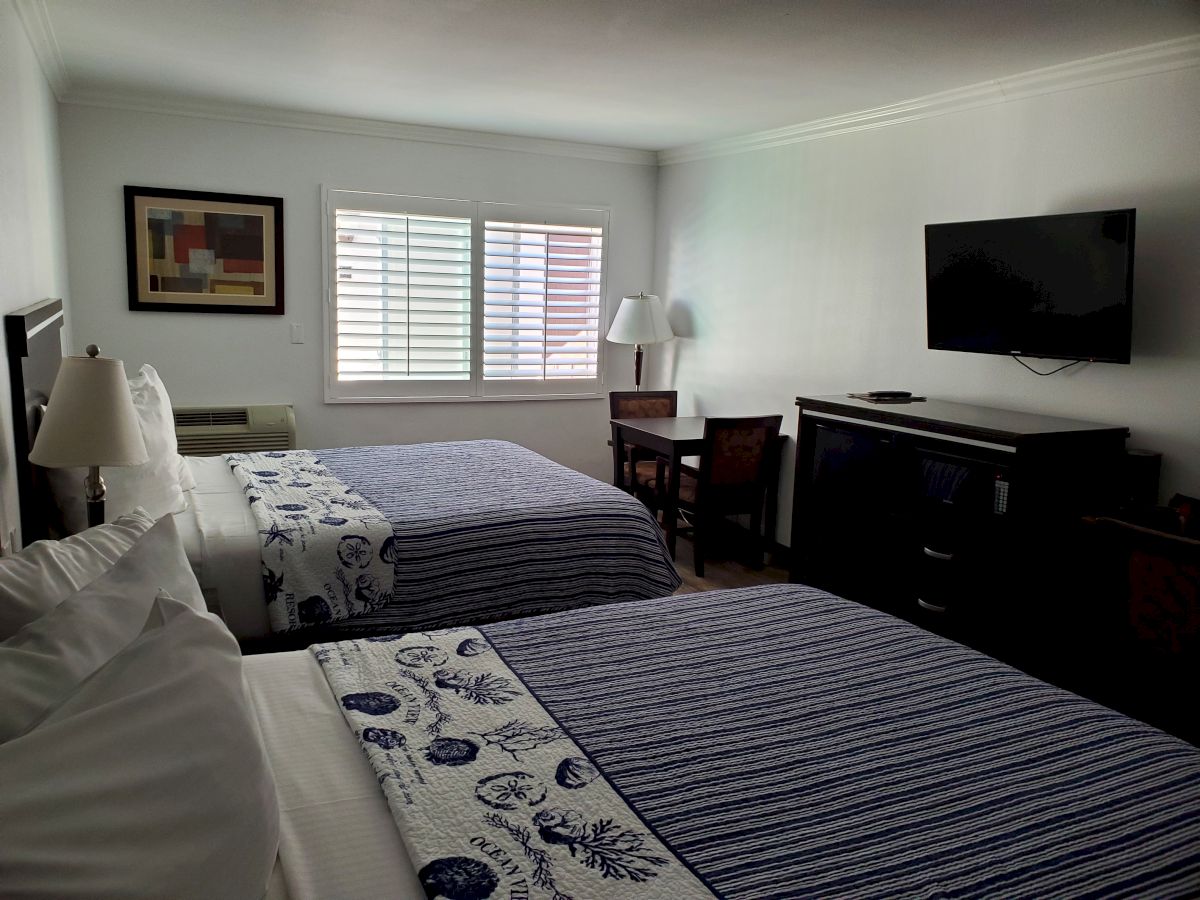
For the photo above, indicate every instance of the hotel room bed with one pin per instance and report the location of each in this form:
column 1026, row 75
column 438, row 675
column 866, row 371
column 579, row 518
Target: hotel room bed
column 773, row 741
column 764, row 742
column 482, row 530
column 466, row 531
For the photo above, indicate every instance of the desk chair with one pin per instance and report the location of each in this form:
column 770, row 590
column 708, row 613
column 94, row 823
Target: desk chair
column 738, row 466
column 1148, row 590
column 641, row 466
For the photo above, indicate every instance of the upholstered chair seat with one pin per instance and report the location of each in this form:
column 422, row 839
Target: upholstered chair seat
column 687, row 486
column 645, row 473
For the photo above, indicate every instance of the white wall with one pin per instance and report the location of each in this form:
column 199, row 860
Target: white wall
column 800, row 270
column 207, row 358
column 32, row 258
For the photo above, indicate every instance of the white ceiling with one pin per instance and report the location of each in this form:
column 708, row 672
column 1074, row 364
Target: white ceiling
column 647, row 74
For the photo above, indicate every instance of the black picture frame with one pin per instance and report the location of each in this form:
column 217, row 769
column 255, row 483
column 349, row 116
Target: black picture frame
column 236, row 290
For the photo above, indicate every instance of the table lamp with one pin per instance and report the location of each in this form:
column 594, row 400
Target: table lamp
column 90, row 421
column 640, row 320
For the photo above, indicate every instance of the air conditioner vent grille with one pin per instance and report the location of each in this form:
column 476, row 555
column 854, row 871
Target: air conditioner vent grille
column 215, row 445
column 213, row 430
column 191, row 418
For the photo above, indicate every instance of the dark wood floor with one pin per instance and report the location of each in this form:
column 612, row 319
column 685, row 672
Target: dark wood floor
column 721, row 573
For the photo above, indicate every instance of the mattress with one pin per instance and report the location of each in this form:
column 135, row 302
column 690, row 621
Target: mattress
column 482, row 530
column 221, row 540
column 337, row 838
column 779, row 741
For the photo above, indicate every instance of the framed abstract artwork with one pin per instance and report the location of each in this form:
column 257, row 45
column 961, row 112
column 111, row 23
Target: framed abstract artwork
column 195, row 251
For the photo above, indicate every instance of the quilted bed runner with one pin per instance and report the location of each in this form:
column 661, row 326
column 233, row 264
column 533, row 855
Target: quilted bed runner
column 491, row 796
column 327, row 553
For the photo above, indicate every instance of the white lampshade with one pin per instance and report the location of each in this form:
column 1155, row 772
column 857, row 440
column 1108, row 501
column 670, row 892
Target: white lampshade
column 640, row 319
column 90, row 419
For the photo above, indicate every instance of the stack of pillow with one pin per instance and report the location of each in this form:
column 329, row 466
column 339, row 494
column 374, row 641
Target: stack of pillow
column 157, row 486
column 130, row 761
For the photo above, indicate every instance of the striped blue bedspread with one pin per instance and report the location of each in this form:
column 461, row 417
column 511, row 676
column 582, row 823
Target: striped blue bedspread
column 488, row 529
column 788, row 743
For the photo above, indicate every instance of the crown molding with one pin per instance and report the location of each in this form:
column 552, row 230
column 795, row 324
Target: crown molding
column 282, row 118
column 36, row 20
column 1146, row 60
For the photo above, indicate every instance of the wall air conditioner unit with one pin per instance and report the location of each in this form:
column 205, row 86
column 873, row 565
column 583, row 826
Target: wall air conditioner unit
column 213, row 430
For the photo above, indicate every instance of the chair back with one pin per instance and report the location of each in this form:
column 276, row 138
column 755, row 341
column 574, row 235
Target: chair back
column 643, row 404
column 736, row 465
column 1147, row 585
column 1158, row 574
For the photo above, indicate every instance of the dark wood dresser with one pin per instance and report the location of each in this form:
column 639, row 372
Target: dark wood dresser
column 960, row 518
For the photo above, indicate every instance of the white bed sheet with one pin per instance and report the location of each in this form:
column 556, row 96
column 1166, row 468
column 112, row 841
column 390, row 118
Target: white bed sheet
column 337, row 838
column 221, row 539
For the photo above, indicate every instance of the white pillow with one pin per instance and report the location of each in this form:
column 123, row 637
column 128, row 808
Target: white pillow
column 76, row 637
column 154, row 485
column 187, row 481
column 145, row 777
column 41, row 576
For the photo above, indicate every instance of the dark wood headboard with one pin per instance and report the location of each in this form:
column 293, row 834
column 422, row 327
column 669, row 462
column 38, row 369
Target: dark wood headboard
column 33, row 336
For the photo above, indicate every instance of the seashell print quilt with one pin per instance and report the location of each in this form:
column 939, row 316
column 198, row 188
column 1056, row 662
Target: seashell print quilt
column 492, row 798
column 327, row 553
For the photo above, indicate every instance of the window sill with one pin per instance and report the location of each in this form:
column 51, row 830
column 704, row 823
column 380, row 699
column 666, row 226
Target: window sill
column 491, row 399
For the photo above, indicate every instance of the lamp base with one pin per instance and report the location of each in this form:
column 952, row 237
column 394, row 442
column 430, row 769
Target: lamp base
column 94, row 490
column 637, row 367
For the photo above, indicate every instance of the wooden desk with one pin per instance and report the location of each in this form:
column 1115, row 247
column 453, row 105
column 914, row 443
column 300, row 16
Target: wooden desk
column 671, row 438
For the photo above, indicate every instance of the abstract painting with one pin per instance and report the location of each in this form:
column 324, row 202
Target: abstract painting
column 196, row 251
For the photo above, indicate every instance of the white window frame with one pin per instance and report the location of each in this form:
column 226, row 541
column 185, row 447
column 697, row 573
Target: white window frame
column 475, row 389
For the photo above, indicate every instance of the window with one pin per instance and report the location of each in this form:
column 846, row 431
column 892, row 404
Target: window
column 541, row 301
column 456, row 299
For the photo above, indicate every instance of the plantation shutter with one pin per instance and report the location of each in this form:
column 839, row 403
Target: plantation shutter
column 454, row 299
column 402, row 291
column 542, row 290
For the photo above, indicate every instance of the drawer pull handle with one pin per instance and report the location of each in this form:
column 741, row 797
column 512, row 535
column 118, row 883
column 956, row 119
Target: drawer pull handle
column 934, row 554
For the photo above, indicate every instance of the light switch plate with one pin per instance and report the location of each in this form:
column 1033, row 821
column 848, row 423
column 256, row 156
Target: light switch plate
column 297, row 333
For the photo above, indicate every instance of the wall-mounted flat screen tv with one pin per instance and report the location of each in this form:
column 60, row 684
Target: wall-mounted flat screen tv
column 1057, row 287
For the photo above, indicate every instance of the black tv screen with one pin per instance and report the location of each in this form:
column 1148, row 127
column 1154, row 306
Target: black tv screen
column 1047, row 286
